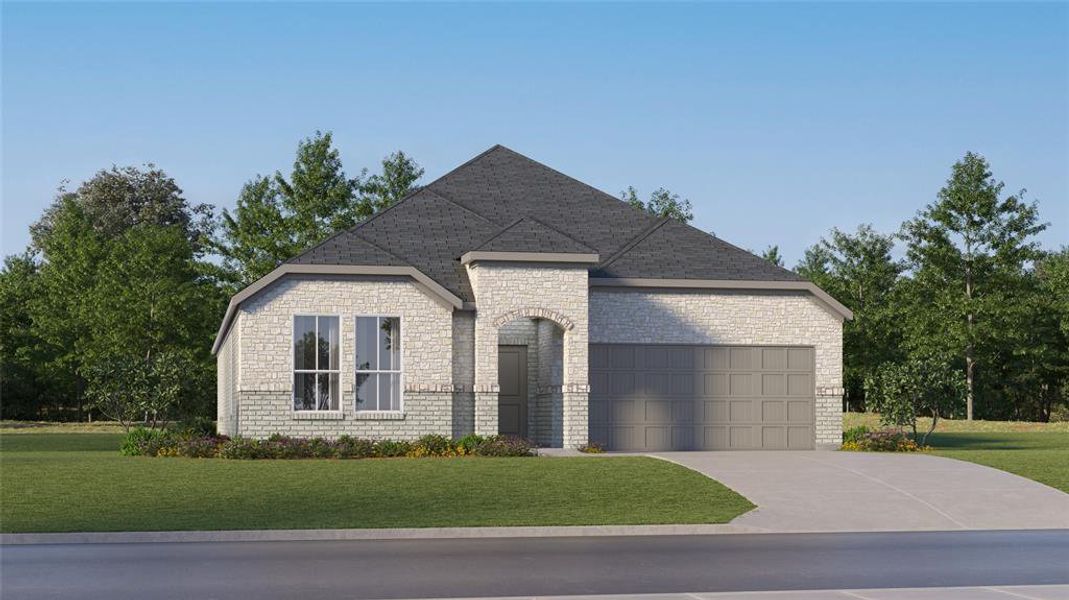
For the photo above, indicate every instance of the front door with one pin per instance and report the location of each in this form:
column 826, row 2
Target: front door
column 512, row 403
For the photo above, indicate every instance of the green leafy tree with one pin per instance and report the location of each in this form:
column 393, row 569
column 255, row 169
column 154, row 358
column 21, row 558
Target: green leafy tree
column 966, row 252
column 397, row 179
column 137, row 389
column 662, row 203
column 278, row 217
column 114, row 200
column 772, row 255
column 902, row 392
column 858, row 270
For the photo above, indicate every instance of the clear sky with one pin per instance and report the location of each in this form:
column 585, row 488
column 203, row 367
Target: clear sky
column 779, row 121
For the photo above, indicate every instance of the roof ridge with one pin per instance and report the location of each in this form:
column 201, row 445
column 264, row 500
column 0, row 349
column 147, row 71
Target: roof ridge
column 562, row 174
column 627, row 247
column 459, row 205
column 499, row 233
column 565, row 234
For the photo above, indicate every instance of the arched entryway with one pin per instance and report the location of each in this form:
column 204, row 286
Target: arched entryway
column 531, row 379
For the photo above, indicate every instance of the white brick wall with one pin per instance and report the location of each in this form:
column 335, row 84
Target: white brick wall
column 721, row 317
column 227, row 384
column 508, row 291
column 265, row 383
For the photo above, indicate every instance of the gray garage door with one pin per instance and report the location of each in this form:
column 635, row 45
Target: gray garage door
column 660, row 397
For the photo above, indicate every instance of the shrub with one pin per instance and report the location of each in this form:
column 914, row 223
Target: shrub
column 884, row 440
column 920, row 386
column 349, row 447
column 469, row 444
column 504, row 445
column 432, row 445
column 855, row 434
column 242, row 449
column 391, row 448
column 142, row 441
column 591, row 448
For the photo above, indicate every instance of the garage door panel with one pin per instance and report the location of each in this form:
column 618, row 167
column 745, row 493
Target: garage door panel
column 740, row 384
column 800, row 359
column 773, row 384
column 799, row 438
column 799, row 411
column 800, row 384
column 773, row 438
column 773, row 411
column 664, row 397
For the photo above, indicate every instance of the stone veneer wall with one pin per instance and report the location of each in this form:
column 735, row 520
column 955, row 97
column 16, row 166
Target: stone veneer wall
column 226, row 384
column 463, row 373
column 265, row 378
column 505, row 292
column 620, row 315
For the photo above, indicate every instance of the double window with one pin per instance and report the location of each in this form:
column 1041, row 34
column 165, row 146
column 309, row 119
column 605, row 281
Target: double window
column 317, row 360
column 316, row 363
column 378, row 363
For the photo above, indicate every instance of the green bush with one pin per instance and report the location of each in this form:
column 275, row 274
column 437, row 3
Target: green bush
column 504, row 445
column 392, row 448
column 591, row 448
column 855, row 434
column 884, row 440
column 142, row 441
column 158, row 442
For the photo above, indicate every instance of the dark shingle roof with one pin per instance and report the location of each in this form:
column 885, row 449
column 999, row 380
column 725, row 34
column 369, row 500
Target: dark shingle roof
column 529, row 235
column 502, row 201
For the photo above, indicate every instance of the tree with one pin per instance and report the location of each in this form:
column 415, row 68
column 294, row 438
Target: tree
column 902, row 392
column 278, row 217
column 966, row 252
column 118, row 270
column 772, row 255
column 131, row 389
column 398, row 178
column 123, row 197
column 662, row 203
column 858, row 270
column 24, row 387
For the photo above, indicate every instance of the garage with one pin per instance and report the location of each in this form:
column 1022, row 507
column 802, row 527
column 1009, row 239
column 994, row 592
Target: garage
column 647, row 397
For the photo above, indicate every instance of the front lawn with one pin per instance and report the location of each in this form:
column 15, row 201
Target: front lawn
column 1040, row 456
column 79, row 482
column 1038, row 451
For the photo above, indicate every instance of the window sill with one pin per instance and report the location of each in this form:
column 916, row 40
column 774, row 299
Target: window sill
column 318, row 415
column 379, row 415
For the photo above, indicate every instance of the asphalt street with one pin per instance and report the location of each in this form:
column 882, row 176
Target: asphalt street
column 533, row 566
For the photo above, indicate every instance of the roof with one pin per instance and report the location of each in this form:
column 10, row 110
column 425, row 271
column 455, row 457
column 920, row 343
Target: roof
column 501, row 203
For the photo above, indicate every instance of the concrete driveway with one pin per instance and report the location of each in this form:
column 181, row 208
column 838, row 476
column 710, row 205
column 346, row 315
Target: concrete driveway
column 854, row 491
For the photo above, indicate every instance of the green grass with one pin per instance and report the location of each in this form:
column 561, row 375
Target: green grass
column 79, row 482
column 1038, row 451
column 1040, row 456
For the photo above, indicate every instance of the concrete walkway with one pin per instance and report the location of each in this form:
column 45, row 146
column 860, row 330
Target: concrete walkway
column 857, row 491
column 1027, row 592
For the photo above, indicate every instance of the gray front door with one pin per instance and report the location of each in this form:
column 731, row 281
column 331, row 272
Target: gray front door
column 661, row 397
column 512, row 403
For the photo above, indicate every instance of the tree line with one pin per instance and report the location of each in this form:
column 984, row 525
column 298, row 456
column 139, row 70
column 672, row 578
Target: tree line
column 113, row 306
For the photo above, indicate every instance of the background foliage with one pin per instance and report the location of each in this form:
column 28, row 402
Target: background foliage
column 125, row 275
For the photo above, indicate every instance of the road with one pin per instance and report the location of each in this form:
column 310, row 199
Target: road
column 533, row 566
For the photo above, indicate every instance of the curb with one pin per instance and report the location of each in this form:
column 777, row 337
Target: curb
column 313, row 535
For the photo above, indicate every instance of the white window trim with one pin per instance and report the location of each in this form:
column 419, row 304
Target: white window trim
column 400, row 371
column 294, row 369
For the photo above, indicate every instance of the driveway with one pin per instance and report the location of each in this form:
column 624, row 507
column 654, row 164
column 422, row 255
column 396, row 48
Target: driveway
column 855, row 491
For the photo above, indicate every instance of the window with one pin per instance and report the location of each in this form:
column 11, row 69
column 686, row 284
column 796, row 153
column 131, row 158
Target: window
column 378, row 363
column 316, row 360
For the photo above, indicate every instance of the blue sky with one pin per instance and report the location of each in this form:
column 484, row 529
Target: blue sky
column 778, row 121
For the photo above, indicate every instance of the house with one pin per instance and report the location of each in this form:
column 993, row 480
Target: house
column 506, row 297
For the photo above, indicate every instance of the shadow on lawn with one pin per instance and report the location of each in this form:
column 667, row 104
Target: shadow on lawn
column 1000, row 441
